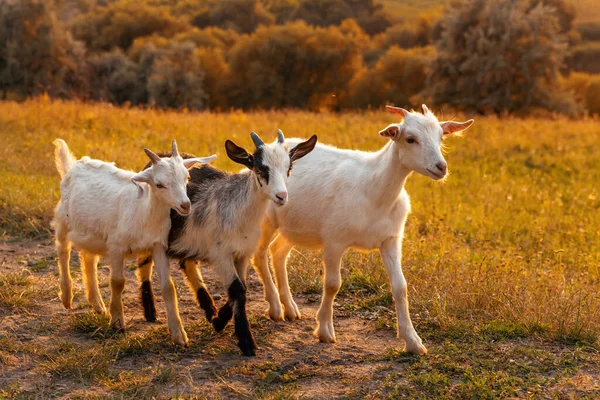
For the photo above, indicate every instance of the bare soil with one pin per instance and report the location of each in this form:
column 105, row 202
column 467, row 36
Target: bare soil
column 45, row 352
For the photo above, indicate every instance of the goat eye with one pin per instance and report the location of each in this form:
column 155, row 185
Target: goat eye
column 411, row 140
column 160, row 186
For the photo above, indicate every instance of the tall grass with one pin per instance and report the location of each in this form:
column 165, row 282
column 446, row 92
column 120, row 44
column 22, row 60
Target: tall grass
column 513, row 236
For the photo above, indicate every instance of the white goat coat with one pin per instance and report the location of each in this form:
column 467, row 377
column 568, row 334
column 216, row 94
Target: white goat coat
column 103, row 213
column 360, row 204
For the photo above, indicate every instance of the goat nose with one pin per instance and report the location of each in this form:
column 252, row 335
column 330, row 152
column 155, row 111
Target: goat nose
column 185, row 206
column 442, row 166
column 281, row 196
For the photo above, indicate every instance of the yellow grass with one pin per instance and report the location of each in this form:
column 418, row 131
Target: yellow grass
column 512, row 237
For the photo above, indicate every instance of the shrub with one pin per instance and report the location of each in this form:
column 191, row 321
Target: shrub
column 499, row 57
column 121, row 22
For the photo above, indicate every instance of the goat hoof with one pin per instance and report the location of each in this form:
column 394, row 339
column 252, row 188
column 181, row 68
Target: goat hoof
column 416, row 348
column 248, row 347
column 99, row 308
column 211, row 314
column 325, row 335
column 181, row 339
column 292, row 312
column 219, row 323
column 118, row 324
column 150, row 315
column 67, row 300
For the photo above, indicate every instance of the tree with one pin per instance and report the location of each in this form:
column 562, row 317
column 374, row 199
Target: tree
column 498, row 56
column 35, row 52
column 398, row 76
column 120, row 23
column 177, row 80
column 243, row 16
column 291, row 66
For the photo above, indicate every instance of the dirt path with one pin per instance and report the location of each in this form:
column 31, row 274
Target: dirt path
column 50, row 352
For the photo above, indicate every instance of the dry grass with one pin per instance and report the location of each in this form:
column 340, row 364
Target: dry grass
column 502, row 258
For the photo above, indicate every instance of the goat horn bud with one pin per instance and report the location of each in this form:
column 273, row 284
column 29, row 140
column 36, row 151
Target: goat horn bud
column 257, row 141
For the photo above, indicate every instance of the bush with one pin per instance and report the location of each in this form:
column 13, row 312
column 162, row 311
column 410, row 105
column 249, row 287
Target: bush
column 36, row 54
column 586, row 88
column 397, row 77
column 584, row 58
column 589, row 31
column 499, row 57
column 121, row 22
column 291, row 66
column 176, row 79
column 243, row 16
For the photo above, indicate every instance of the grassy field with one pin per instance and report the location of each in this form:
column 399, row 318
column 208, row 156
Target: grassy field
column 502, row 260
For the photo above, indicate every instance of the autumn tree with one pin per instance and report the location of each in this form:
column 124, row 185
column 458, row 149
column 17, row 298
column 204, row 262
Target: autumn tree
column 294, row 65
column 498, row 56
column 118, row 24
column 35, row 51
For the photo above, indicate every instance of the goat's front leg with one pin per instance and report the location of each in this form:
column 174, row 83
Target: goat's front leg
column 260, row 261
column 193, row 276
column 169, row 294
column 391, row 253
column 144, row 269
column 280, row 249
column 235, row 306
column 117, row 284
column 332, row 256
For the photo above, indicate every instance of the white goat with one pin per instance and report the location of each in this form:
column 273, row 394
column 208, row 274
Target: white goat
column 109, row 211
column 344, row 198
column 224, row 227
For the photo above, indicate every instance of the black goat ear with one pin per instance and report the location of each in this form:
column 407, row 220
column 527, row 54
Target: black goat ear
column 303, row 148
column 238, row 154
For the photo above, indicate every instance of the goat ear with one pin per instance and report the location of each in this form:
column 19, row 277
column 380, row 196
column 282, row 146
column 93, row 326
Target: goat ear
column 398, row 110
column 453, row 127
column 392, row 132
column 238, row 154
column 191, row 162
column 303, row 148
column 144, row 176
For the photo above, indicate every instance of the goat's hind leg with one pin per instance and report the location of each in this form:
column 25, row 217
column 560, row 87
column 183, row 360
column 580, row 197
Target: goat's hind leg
column 117, row 284
column 191, row 269
column 144, row 269
column 63, row 248
column 90, row 281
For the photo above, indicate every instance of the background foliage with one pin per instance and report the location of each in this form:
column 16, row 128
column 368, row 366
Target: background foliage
column 506, row 56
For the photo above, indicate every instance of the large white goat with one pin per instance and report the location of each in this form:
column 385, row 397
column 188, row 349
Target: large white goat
column 109, row 211
column 224, row 227
column 344, row 198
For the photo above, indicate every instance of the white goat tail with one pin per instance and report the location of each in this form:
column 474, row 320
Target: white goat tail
column 63, row 158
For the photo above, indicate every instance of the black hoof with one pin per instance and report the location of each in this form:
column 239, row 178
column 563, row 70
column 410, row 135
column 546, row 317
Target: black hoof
column 248, row 347
column 219, row 323
column 150, row 315
column 211, row 313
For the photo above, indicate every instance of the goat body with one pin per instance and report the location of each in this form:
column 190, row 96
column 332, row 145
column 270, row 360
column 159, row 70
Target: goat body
column 344, row 198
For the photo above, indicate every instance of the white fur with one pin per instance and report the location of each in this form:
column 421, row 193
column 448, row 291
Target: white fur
column 107, row 211
column 347, row 198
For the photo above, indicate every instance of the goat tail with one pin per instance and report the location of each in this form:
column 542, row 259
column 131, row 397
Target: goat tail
column 63, row 158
